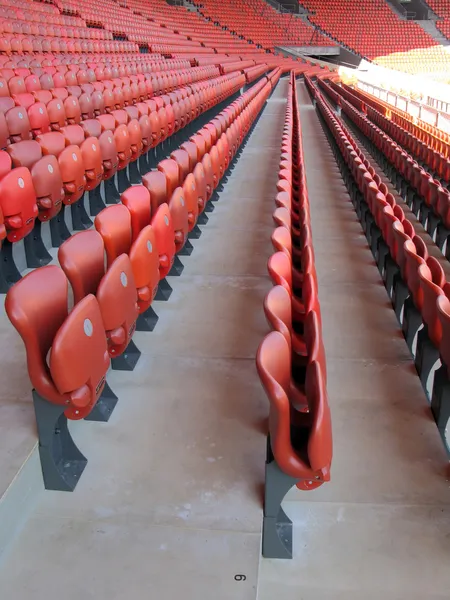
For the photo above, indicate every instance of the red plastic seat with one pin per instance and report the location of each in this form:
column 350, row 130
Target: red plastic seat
column 18, row 203
column 165, row 238
column 82, row 259
column 307, row 456
column 114, row 225
column 74, row 375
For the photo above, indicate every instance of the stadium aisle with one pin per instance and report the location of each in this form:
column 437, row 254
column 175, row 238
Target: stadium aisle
column 174, row 484
column 386, row 508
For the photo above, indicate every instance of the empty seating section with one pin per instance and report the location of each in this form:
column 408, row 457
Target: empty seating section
column 414, row 279
column 67, row 124
column 291, row 359
column 370, row 27
column 442, row 9
column 261, row 24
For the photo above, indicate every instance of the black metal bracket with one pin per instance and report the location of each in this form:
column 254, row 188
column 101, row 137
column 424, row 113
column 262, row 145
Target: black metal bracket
column 36, row 253
column 112, row 196
column 80, row 218
column 9, row 273
column 61, row 461
column 104, row 406
column 128, row 359
column 277, row 527
column 195, row 232
column 177, row 268
column 96, row 203
column 164, row 290
column 58, row 228
column 123, row 183
column 147, row 320
column 133, row 171
column 187, row 249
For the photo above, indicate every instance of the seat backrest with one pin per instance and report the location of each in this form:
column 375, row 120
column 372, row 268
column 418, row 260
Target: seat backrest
column 117, row 297
column 278, row 311
column 18, row 124
column 114, row 225
column 145, row 264
column 82, row 259
column 165, row 238
column 320, row 443
column 25, row 153
column 72, row 172
column 48, row 187
column 432, row 280
column 18, row 203
column 37, row 307
column 172, row 173
column 179, row 214
column 137, row 201
column 156, row 184
column 79, row 358
column 280, row 270
column 282, row 241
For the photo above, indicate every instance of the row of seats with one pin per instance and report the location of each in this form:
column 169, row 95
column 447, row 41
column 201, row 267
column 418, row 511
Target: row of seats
column 425, row 133
column 291, row 359
column 261, row 24
column 427, row 197
column 57, row 167
column 414, row 280
column 69, row 352
column 369, row 27
column 442, row 9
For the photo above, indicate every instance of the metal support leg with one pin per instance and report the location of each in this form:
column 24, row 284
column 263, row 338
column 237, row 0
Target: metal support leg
column 61, row 461
column 123, row 183
column 203, row 218
column 58, row 229
column 412, row 322
column 195, row 233
column 277, row 527
column 147, row 320
column 400, row 295
column 426, row 357
column 177, row 268
column 80, row 218
column 35, row 251
column 128, row 359
column 164, row 290
column 391, row 271
column 9, row 273
column 96, row 203
column 112, row 196
column 187, row 249
column 104, row 406
column 134, row 175
column 440, row 404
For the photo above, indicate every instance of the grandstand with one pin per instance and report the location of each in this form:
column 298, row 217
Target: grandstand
column 226, row 288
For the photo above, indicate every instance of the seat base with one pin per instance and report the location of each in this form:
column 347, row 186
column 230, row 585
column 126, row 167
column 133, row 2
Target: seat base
column 35, row 251
column 126, row 361
column 187, row 249
column 9, row 273
column 177, row 268
column 164, row 290
column 195, row 232
column 147, row 320
column 61, row 461
column 104, row 407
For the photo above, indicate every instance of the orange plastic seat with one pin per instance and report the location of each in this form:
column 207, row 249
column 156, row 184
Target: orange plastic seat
column 67, row 362
column 300, row 443
column 82, row 259
column 114, row 225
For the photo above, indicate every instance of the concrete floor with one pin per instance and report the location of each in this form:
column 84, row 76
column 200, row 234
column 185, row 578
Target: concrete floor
column 380, row 529
column 170, row 503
